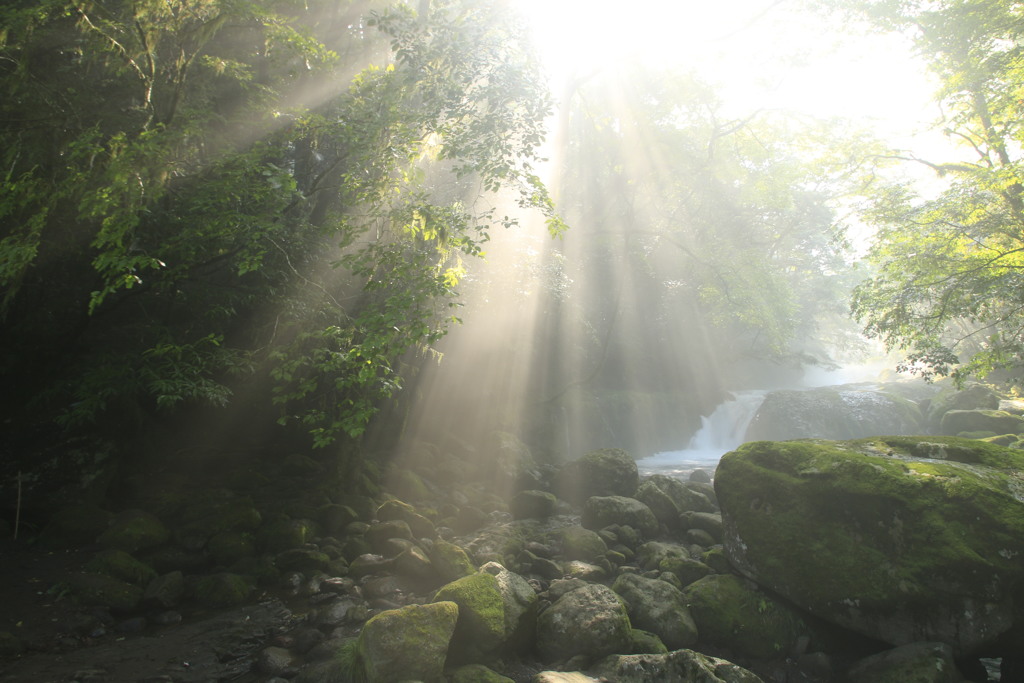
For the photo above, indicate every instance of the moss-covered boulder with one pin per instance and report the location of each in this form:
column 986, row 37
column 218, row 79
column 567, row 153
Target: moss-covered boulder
column 449, row 560
column 282, row 533
column 100, row 590
column 419, row 526
column 834, row 413
column 134, row 530
column 590, row 621
column 519, row 602
column 903, row 539
column 732, row 613
column 604, row 472
column 914, row 663
column 481, row 625
column 410, row 643
column 658, row 607
column 77, row 524
column 602, row 511
column 972, row 397
column 983, row 422
column 228, row 547
column 121, row 565
column 578, row 543
column 533, row 503
column 223, row 589
column 681, row 665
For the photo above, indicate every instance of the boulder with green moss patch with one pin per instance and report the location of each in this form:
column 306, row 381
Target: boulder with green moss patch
column 481, row 627
column 449, row 560
column 602, row 511
column 913, row 663
column 121, row 565
column 902, row 539
column 578, row 543
column 133, row 530
column 477, row 673
column 101, row 590
column 409, row 643
column 984, row 422
column 223, row 589
column 732, row 613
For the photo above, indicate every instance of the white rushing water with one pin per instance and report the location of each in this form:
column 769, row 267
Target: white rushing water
column 720, row 432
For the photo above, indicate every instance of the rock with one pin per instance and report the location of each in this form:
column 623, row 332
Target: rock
column 651, row 554
column 658, row 607
column 134, row 530
column 410, row 643
column 520, row 606
column 664, row 508
column 992, row 421
column 223, row 590
column 414, row 564
column 833, row 413
column 710, row 523
column 902, row 539
column 507, row 463
column 685, row 497
column 165, row 590
column 380, row 533
column 283, row 533
column 562, row 677
column 333, row 518
column 301, row 560
column 973, row 397
column 420, row 526
column 602, row 511
column 681, row 665
column 578, row 543
column 121, row 565
column 590, row 621
column 481, row 626
column 604, row 472
column 533, row 504
column 646, row 643
column 10, row 645
column 477, row 673
column 368, row 564
column 105, row 591
column 449, row 561
column 732, row 614
column 685, row 570
column 276, row 661
column 700, row 477
column 913, row 663
column 228, row 547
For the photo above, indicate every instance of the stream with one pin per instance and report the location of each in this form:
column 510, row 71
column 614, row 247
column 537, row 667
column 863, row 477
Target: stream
column 719, row 433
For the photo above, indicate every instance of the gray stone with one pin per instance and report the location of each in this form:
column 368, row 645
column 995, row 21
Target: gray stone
column 602, row 511
column 658, row 607
column 681, row 665
column 591, row 621
column 913, row 663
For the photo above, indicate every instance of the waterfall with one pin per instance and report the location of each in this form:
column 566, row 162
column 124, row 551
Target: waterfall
column 720, row 432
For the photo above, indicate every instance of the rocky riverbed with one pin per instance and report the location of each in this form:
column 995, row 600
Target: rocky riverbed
column 509, row 570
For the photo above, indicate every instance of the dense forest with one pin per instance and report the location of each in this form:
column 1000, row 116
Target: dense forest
column 267, row 216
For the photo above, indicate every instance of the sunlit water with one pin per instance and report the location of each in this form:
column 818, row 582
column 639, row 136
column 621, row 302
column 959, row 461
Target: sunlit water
column 720, row 432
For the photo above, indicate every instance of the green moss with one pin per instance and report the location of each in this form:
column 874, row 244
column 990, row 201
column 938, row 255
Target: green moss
column 284, row 533
column 410, row 643
column 729, row 613
column 645, row 642
column 877, row 548
column 481, row 625
column 581, row 544
column 121, row 565
column 223, row 590
column 104, row 591
column 477, row 673
column 134, row 530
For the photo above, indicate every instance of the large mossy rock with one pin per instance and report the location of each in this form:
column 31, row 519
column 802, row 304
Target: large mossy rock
column 133, row 530
column 409, row 643
column 914, row 663
column 604, row 472
column 590, row 621
column 834, row 413
column 681, row 665
column 993, row 421
column 902, row 539
column 659, row 607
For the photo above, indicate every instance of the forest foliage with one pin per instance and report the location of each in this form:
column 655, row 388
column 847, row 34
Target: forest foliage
column 203, row 195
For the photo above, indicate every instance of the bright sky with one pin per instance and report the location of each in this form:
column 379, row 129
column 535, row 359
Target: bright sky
column 763, row 53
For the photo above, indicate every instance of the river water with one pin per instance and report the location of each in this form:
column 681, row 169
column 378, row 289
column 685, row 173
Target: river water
column 720, row 432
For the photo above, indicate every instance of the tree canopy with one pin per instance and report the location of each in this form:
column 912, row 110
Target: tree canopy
column 195, row 190
column 949, row 269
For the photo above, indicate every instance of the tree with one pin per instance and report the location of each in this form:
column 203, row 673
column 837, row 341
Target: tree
column 197, row 189
column 949, row 270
